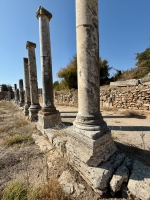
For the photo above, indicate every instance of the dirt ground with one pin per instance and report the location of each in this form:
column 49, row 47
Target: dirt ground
column 24, row 161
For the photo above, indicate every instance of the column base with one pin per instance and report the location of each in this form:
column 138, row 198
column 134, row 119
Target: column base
column 48, row 121
column 21, row 104
column 26, row 109
column 33, row 115
column 91, row 147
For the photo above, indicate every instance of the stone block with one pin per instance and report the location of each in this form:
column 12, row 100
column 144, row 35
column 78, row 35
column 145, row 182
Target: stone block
column 88, row 148
column 47, row 121
column 139, row 182
column 124, row 83
column 120, row 176
column 97, row 177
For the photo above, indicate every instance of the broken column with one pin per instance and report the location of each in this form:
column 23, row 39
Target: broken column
column 49, row 115
column 35, row 106
column 21, row 93
column 27, row 87
column 90, row 139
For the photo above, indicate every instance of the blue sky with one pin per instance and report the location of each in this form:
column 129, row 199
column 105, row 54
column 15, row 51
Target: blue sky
column 124, row 28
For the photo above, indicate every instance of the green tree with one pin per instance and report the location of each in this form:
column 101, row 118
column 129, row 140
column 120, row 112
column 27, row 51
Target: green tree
column 69, row 74
column 143, row 63
column 104, row 71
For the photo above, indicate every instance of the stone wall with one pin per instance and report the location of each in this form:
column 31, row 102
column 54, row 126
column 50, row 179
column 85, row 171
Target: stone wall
column 130, row 97
column 133, row 97
column 66, row 98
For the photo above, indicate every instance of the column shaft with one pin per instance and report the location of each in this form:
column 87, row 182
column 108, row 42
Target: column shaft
column 21, row 92
column 46, row 63
column 27, row 86
column 33, row 82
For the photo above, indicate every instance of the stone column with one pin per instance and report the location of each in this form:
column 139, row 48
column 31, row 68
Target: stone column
column 35, row 106
column 49, row 116
column 15, row 92
column 18, row 96
column 93, row 143
column 21, row 93
column 27, row 87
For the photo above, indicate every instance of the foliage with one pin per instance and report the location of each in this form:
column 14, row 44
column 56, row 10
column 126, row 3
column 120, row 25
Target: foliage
column 104, row 71
column 69, row 74
column 142, row 67
column 143, row 63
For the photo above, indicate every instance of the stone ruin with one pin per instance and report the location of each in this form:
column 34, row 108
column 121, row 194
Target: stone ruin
column 87, row 145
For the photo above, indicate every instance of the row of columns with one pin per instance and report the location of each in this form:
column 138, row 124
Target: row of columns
column 89, row 133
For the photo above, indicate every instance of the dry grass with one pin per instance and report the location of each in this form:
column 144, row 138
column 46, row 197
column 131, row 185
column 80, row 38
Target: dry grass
column 52, row 191
column 18, row 139
column 20, row 191
column 16, row 124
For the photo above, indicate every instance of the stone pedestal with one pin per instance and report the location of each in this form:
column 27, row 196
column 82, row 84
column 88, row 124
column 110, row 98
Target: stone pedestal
column 21, row 93
column 49, row 115
column 27, row 87
column 35, row 106
column 90, row 138
column 47, row 121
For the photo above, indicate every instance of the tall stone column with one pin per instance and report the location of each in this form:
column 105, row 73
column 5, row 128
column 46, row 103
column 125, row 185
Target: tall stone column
column 49, row 116
column 18, row 96
column 27, row 86
column 21, row 93
column 15, row 92
column 93, row 143
column 35, row 106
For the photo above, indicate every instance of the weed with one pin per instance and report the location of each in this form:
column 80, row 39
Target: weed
column 18, row 139
column 15, row 191
column 19, row 191
column 52, row 191
column 142, row 137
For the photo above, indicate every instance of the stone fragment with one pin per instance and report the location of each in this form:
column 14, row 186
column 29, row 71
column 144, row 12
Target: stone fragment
column 139, row 181
column 69, row 185
column 42, row 143
column 120, row 176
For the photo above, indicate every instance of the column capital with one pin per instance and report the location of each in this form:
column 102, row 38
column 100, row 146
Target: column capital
column 30, row 45
column 25, row 60
column 41, row 11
